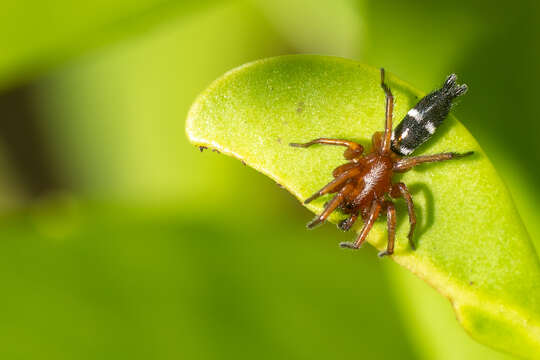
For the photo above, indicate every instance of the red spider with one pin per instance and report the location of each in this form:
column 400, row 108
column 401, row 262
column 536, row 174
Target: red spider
column 362, row 184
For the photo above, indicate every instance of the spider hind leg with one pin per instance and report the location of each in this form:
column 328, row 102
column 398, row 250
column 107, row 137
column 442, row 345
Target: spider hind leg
column 391, row 224
column 401, row 190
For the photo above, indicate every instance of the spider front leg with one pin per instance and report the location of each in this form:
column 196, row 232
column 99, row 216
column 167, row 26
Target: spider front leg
column 353, row 151
column 401, row 190
column 391, row 224
column 373, row 214
column 331, row 206
column 334, row 185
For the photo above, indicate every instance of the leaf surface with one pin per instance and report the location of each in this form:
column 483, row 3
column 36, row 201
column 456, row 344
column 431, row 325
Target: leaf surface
column 471, row 243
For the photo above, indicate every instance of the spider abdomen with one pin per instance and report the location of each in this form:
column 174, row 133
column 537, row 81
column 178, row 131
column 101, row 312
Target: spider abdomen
column 422, row 121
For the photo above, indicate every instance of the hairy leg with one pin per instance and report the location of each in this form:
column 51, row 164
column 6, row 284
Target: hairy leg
column 330, row 207
column 373, row 214
column 334, row 185
column 377, row 140
column 406, row 164
column 389, row 114
column 401, row 190
column 391, row 224
column 344, row 168
column 353, row 151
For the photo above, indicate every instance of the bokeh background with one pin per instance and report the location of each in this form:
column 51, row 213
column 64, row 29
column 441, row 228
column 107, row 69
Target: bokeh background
column 119, row 239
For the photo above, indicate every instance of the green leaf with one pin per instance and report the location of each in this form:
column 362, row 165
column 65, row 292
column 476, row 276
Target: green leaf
column 471, row 244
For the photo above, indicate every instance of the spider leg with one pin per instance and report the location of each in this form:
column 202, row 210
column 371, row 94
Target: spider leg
column 373, row 214
column 406, row 164
column 377, row 139
column 354, row 150
column 333, row 185
column 401, row 190
column 388, row 114
column 347, row 223
column 330, row 207
column 345, row 167
column 391, row 223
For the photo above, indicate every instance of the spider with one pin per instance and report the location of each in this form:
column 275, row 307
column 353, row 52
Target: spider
column 364, row 186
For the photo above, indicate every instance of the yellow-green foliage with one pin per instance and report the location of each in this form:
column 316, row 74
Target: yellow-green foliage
column 472, row 245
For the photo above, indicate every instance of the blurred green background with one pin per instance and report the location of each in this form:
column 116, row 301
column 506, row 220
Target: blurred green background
column 119, row 239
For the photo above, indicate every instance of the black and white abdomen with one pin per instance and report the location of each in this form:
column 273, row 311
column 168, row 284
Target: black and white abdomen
column 421, row 121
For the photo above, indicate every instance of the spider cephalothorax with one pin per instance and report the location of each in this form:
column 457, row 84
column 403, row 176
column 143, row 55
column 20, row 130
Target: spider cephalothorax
column 362, row 184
